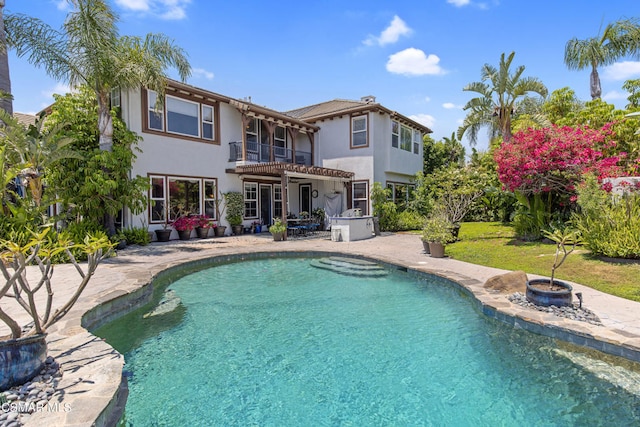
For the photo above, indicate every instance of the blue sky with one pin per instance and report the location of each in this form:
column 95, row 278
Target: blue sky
column 415, row 57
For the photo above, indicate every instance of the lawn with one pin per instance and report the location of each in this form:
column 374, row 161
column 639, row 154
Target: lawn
column 494, row 244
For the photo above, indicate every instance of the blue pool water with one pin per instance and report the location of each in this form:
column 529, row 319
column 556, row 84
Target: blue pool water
column 278, row 343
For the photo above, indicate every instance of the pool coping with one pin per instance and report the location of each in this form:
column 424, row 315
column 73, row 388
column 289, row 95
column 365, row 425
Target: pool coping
column 93, row 381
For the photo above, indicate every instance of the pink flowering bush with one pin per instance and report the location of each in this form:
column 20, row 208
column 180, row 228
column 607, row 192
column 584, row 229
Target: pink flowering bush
column 555, row 159
column 185, row 223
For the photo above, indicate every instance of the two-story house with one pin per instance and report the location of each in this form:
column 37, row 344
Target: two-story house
column 201, row 144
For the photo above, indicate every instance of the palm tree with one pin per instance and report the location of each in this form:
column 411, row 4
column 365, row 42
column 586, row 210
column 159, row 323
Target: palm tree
column 88, row 50
column 618, row 39
column 6, row 103
column 500, row 90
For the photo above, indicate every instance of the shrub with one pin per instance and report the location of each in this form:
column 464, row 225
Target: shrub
column 610, row 225
column 409, row 220
column 136, row 236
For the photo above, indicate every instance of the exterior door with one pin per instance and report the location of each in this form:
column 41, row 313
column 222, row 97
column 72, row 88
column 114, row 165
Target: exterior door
column 266, row 210
column 305, row 198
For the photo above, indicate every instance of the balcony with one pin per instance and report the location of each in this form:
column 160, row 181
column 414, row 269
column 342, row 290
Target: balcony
column 261, row 153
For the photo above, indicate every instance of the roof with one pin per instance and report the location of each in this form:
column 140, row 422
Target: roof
column 339, row 107
column 25, row 119
column 279, row 168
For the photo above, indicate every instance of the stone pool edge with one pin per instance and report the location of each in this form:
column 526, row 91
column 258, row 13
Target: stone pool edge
column 103, row 403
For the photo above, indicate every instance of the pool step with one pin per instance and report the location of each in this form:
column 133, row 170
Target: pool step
column 350, row 266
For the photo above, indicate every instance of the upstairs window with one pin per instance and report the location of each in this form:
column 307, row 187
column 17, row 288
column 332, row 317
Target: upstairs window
column 155, row 113
column 395, row 133
column 180, row 116
column 359, row 131
column 405, row 139
column 417, row 140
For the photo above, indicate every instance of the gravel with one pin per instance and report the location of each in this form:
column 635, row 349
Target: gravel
column 573, row 312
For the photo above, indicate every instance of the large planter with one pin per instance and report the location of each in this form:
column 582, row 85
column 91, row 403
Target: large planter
column 436, row 249
column 237, row 229
column 539, row 293
column 184, row 234
column 425, row 246
column 219, row 230
column 278, row 236
column 163, row 235
column 21, row 359
column 202, row 232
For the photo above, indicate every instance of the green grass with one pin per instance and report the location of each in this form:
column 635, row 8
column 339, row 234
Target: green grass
column 494, row 245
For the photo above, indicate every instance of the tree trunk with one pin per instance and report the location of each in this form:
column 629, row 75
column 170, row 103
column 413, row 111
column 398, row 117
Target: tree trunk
column 596, row 90
column 6, row 103
column 105, row 121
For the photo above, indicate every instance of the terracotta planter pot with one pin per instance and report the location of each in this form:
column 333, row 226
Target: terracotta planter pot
column 436, row 249
column 163, row 235
column 237, row 229
column 21, row 359
column 219, row 230
column 278, row 236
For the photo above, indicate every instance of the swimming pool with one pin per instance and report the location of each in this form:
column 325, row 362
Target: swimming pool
column 277, row 342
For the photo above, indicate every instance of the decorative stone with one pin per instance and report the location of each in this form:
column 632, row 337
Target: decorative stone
column 514, row 281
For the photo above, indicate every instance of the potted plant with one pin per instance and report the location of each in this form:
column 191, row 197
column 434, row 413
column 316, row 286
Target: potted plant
column 24, row 350
column 235, row 209
column 319, row 215
column 547, row 292
column 278, row 229
column 184, row 225
column 437, row 232
column 163, row 234
column 219, row 229
column 203, row 224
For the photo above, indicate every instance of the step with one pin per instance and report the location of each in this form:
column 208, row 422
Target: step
column 350, row 266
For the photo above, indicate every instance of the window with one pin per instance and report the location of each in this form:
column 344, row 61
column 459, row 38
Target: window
column 115, row 97
column 417, row 140
column 157, row 199
column 250, row 200
column 360, row 196
column 395, row 133
column 359, row 131
column 184, row 197
column 182, row 117
column 280, row 142
column 405, row 138
column 252, row 136
column 401, row 193
column 170, row 197
column 156, row 117
column 277, row 201
column 210, row 199
column 207, row 122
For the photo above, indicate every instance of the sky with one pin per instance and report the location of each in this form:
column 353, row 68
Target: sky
column 415, row 57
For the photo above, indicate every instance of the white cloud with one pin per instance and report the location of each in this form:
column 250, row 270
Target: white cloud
column 201, row 72
column 62, row 4
column 425, row 119
column 59, row 88
column 135, row 5
column 459, row 3
column 624, row 70
column 614, row 96
column 163, row 9
column 391, row 34
column 427, row 99
column 414, row 62
column 451, row 106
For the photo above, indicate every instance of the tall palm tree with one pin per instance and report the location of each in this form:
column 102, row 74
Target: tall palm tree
column 499, row 92
column 6, row 103
column 618, row 39
column 88, row 50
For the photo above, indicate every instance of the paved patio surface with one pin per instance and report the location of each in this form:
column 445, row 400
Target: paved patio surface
column 92, row 376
